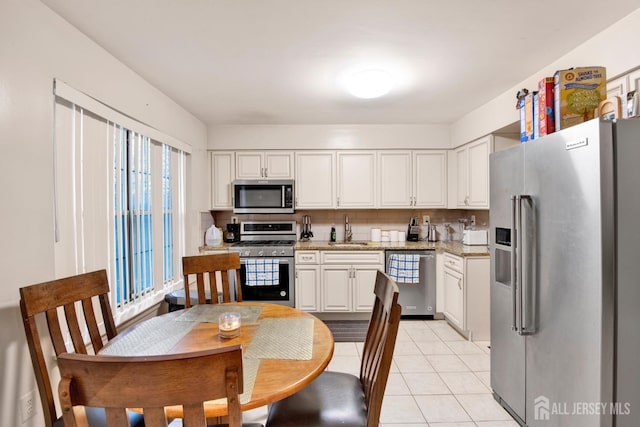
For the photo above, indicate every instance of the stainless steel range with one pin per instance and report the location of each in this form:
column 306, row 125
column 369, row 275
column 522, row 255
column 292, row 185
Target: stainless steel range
column 267, row 263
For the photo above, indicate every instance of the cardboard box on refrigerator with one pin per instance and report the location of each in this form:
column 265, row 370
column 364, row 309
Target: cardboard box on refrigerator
column 545, row 106
column 577, row 93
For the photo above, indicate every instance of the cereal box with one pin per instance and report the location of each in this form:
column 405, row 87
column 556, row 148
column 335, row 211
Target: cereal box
column 528, row 116
column 523, row 123
column 577, row 93
column 536, row 116
column 545, row 106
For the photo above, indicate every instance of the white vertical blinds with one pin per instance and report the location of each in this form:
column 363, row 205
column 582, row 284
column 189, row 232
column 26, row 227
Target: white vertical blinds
column 120, row 198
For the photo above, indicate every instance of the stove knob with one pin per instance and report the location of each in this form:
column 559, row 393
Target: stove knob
column 261, row 253
column 247, row 253
column 282, row 252
column 274, row 253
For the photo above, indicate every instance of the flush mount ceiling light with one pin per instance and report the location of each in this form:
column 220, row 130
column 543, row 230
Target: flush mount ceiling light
column 369, row 83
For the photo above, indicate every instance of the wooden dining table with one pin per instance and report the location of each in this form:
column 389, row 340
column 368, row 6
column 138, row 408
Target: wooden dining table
column 284, row 349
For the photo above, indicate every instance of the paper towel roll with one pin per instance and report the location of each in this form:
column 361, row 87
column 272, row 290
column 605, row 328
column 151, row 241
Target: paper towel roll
column 376, row 234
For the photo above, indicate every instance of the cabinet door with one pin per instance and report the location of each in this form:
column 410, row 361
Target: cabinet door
column 430, row 179
column 478, row 175
column 395, row 179
column 462, row 195
column 249, row 165
column 222, row 176
column 453, row 297
column 278, row 165
column 364, row 281
column 356, row 179
column 308, row 288
column 336, row 289
column 315, row 180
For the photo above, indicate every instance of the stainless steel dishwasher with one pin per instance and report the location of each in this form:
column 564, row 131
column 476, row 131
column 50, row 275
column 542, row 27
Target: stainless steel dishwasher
column 417, row 299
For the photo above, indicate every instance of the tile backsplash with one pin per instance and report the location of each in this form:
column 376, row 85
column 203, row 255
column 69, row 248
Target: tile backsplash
column 362, row 220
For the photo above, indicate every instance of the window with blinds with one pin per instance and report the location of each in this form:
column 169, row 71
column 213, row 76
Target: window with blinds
column 133, row 216
column 119, row 198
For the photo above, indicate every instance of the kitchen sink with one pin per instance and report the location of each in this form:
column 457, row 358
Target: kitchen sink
column 348, row 244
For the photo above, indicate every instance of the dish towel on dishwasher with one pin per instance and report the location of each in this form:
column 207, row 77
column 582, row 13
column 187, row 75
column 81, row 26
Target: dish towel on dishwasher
column 262, row 272
column 404, row 268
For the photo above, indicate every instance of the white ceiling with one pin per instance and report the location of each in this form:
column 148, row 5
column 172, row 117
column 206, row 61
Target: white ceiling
column 278, row 61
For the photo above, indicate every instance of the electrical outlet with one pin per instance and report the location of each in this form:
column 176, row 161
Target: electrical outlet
column 234, row 220
column 426, row 219
column 28, row 405
column 473, row 220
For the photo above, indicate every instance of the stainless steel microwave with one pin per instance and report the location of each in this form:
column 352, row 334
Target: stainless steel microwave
column 263, row 196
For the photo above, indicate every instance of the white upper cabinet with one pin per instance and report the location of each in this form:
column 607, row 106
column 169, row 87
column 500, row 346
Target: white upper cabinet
column 412, row 179
column 471, row 174
column 396, row 179
column 264, row 164
column 430, row 179
column 222, row 176
column 356, row 179
column 315, row 179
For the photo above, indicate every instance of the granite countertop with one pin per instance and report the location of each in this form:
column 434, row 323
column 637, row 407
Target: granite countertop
column 456, row 248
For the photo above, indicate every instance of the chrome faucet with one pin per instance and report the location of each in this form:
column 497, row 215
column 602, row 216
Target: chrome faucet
column 348, row 235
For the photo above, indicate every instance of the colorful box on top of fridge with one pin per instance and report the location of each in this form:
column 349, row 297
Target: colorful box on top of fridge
column 577, row 93
column 536, row 116
column 545, row 106
column 523, row 126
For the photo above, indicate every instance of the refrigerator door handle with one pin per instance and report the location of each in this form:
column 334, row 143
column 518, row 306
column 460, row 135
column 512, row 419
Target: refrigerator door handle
column 514, row 259
column 527, row 251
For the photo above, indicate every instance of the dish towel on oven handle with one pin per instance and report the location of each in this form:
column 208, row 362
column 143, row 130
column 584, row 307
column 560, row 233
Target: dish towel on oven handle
column 262, row 272
column 404, row 268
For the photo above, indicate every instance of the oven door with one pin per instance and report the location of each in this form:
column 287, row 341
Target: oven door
column 282, row 293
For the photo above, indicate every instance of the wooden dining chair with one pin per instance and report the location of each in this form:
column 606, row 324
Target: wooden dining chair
column 208, row 265
column 58, row 301
column 151, row 383
column 341, row 399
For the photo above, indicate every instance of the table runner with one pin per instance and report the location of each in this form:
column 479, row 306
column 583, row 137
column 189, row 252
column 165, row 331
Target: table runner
column 154, row 336
column 290, row 338
column 210, row 312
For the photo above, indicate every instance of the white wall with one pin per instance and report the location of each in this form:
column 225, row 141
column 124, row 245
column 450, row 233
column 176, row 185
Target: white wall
column 36, row 46
column 300, row 137
column 613, row 48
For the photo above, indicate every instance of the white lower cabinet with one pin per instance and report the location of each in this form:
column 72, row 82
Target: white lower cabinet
column 465, row 285
column 307, row 281
column 337, row 281
column 454, row 297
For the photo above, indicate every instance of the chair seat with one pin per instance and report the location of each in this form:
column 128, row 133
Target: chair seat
column 332, row 399
column 96, row 418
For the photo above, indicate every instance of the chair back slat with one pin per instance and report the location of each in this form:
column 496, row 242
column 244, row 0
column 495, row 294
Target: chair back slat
column 379, row 344
column 154, row 416
column 115, row 417
column 56, row 301
column 74, row 328
column 206, row 266
column 193, row 416
column 152, row 383
column 92, row 324
column 55, row 331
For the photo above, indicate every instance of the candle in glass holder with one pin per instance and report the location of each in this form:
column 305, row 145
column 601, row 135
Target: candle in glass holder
column 229, row 325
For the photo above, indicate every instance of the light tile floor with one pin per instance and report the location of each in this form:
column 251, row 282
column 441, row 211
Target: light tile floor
column 438, row 379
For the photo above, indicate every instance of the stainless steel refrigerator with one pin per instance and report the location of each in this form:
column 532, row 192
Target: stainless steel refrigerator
column 565, row 277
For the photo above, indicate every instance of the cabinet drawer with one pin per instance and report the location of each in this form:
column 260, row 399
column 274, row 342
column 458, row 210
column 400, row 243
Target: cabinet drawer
column 453, row 262
column 352, row 257
column 307, row 257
